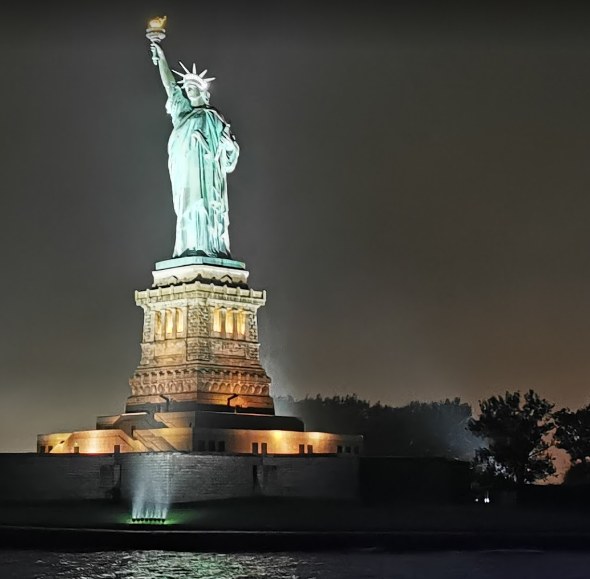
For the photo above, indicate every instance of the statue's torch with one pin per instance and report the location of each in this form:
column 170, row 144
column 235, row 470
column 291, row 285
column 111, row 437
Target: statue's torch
column 156, row 32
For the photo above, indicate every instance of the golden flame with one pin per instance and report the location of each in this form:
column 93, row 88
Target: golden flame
column 157, row 23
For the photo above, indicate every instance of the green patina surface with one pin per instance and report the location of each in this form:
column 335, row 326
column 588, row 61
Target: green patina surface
column 202, row 151
column 199, row 260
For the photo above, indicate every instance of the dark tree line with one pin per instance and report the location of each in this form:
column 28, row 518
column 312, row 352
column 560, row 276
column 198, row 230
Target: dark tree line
column 417, row 429
column 508, row 439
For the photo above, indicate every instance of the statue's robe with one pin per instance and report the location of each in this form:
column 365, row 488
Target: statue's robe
column 201, row 152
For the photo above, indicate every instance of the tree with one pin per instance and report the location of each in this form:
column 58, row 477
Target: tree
column 573, row 435
column 515, row 429
column 417, row 429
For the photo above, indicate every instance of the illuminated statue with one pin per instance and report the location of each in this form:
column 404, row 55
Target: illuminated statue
column 201, row 152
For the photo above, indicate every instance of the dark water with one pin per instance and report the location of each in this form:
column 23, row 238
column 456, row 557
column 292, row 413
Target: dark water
column 170, row 565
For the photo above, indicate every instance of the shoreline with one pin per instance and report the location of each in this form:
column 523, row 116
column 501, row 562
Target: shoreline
column 193, row 540
column 302, row 525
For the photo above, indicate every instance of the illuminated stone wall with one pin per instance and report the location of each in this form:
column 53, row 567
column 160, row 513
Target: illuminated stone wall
column 194, row 477
column 200, row 342
column 279, row 441
column 200, row 386
column 225, row 440
column 87, row 442
column 187, row 477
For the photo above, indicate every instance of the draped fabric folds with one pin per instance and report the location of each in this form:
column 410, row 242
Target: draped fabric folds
column 201, row 152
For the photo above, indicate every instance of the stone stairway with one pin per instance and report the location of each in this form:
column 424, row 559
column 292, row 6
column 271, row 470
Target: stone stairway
column 152, row 441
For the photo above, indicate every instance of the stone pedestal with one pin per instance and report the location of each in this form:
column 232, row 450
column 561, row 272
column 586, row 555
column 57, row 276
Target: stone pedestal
column 200, row 348
column 199, row 387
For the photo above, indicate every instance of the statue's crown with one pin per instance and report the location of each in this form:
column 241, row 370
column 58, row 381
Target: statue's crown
column 192, row 78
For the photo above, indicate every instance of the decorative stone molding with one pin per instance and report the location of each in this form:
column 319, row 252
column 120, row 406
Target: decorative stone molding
column 195, row 358
column 199, row 380
column 198, row 272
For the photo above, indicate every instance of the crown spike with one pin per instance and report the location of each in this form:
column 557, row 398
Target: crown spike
column 191, row 78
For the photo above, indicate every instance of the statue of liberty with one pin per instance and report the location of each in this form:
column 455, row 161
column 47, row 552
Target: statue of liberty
column 201, row 152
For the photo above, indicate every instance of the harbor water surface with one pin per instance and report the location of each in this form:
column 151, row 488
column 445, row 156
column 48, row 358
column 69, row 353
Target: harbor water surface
column 28, row 564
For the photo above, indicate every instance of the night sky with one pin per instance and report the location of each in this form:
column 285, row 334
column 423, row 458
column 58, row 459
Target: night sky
column 413, row 191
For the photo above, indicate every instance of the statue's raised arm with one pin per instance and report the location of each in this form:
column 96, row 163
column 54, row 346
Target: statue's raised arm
column 166, row 75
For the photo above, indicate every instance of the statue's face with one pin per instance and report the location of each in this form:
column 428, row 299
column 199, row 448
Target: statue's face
column 195, row 96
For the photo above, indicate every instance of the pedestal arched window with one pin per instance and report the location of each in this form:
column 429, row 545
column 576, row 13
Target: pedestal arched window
column 217, row 320
column 229, row 323
column 241, row 323
column 159, row 323
column 179, row 321
column 169, row 324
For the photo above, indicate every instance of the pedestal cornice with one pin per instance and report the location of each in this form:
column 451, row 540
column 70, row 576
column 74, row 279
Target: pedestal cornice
column 204, row 269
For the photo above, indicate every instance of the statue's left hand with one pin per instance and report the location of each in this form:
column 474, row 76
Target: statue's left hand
column 226, row 140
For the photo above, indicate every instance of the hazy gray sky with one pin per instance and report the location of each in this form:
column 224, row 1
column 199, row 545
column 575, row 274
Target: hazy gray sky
column 413, row 192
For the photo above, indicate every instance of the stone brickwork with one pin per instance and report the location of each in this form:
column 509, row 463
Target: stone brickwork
column 310, row 477
column 196, row 477
column 200, row 340
column 186, row 435
column 30, row 477
column 190, row 477
column 186, row 477
column 200, row 384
